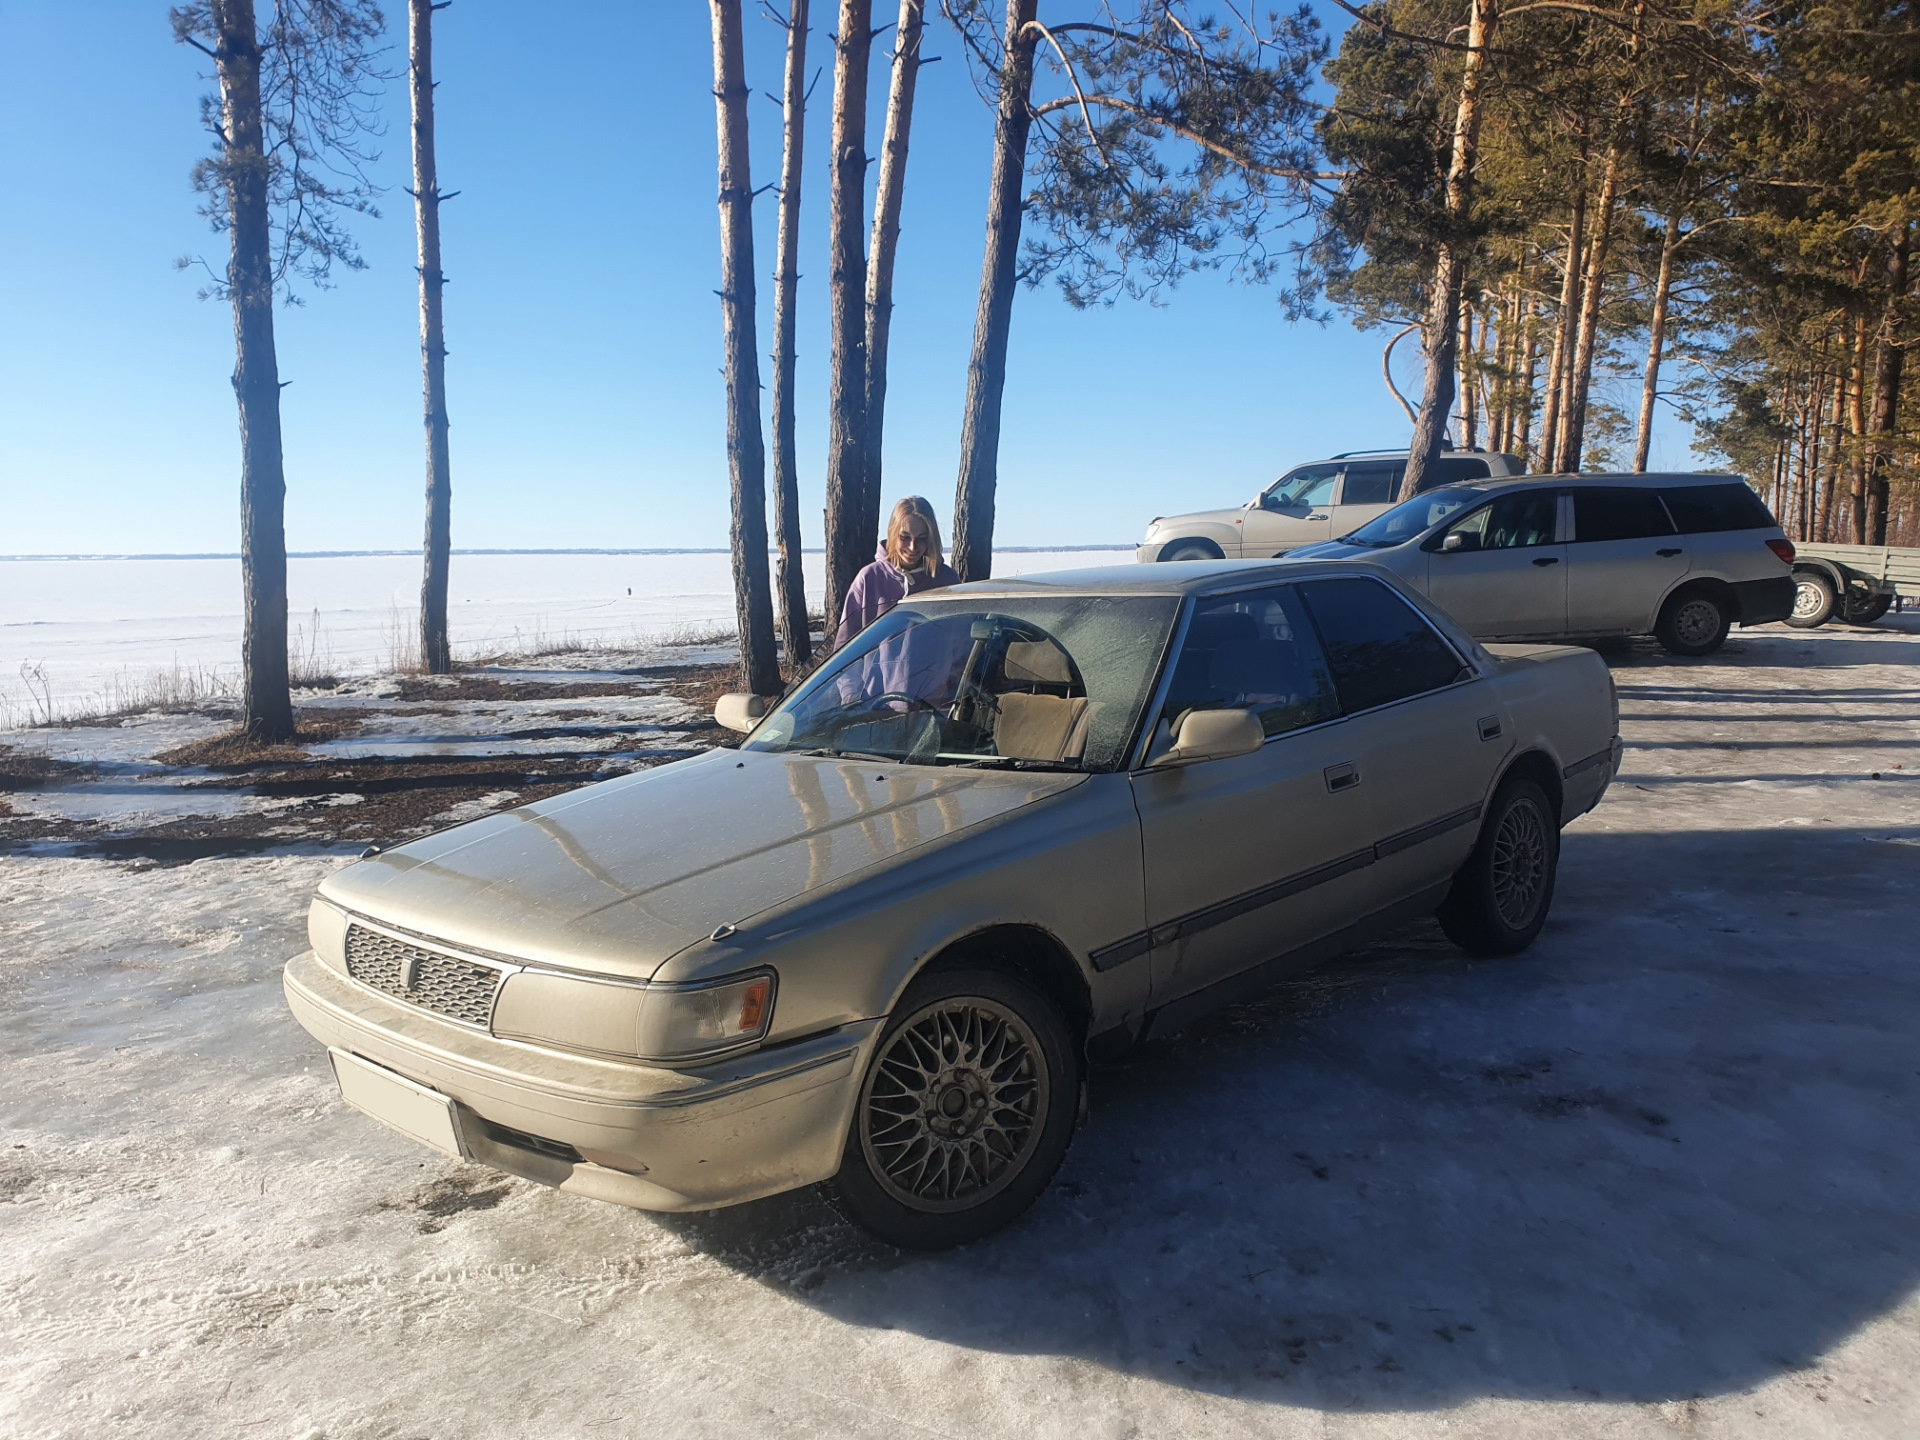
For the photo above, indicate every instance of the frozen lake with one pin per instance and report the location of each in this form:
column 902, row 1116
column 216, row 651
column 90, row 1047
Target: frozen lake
column 91, row 624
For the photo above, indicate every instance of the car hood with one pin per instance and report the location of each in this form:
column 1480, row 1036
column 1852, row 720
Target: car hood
column 1334, row 550
column 618, row 877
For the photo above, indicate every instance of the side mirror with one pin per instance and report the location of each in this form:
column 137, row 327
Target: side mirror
column 742, row 712
column 1214, row 735
column 1455, row 541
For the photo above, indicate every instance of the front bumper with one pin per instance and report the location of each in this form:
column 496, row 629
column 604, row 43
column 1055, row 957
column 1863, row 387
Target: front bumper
column 731, row 1131
column 1763, row 601
column 1147, row 554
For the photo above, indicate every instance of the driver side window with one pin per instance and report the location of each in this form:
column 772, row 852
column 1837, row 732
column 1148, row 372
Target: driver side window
column 1256, row 650
column 1510, row 523
column 1305, row 488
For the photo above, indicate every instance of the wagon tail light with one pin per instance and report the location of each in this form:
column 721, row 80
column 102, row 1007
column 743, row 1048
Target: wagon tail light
column 1782, row 548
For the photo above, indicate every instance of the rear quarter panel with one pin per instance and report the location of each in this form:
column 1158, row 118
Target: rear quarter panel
column 1560, row 699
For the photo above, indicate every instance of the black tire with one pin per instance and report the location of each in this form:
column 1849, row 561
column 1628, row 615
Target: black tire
column 1501, row 896
column 1189, row 550
column 1693, row 622
column 1813, row 600
column 1866, row 611
column 965, row 1051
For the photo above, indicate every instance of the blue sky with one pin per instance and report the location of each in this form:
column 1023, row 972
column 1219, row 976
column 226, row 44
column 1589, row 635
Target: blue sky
column 584, row 380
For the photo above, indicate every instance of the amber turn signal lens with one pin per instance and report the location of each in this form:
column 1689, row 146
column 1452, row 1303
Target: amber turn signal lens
column 753, row 1006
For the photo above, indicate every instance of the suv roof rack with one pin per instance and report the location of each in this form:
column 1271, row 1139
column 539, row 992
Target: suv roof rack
column 1445, row 449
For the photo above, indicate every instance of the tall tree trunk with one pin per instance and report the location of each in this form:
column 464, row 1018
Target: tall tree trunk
column 1563, row 331
column 1573, row 426
column 886, row 235
column 796, row 633
column 1443, row 301
column 746, row 456
column 1889, row 359
column 266, row 702
column 993, row 316
column 1529, row 362
column 849, row 537
column 1857, row 424
column 1469, row 396
column 1656, row 343
column 1823, row 527
column 435, row 650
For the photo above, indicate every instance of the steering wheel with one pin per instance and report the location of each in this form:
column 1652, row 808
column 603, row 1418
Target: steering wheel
column 913, row 703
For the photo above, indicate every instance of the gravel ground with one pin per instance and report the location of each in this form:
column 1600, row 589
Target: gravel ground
column 1658, row 1175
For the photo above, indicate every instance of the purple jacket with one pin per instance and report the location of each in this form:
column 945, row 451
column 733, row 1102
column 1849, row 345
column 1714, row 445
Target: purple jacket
column 880, row 587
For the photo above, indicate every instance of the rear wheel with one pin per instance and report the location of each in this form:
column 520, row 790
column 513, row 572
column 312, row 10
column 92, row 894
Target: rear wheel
column 1501, row 896
column 966, row 1111
column 1813, row 600
column 1867, row 609
column 1694, row 622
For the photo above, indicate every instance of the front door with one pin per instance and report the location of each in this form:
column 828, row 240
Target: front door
column 1296, row 510
column 1501, row 570
column 1623, row 559
column 1252, row 856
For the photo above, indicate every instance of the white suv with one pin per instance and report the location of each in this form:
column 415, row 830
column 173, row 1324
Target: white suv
column 1680, row 557
column 1309, row 504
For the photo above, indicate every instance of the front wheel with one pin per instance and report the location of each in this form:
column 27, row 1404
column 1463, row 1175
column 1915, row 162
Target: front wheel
column 1693, row 623
column 1501, row 896
column 1813, row 601
column 966, row 1111
column 1189, row 550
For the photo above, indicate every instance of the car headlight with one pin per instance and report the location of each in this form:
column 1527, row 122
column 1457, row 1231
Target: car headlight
column 665, row 1023
column 688, row 1021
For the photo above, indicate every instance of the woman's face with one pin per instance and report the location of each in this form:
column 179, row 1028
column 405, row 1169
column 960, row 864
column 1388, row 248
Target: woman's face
column 914, row 539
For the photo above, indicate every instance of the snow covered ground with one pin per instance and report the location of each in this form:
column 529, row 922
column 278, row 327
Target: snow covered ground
column 1656, row 1176
column 92, row 623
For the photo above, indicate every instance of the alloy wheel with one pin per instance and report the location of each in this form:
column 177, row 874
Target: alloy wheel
column 953, row 1110
column 1519, row 864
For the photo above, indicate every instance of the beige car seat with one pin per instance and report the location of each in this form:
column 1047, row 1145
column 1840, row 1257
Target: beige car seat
column 1033, row 725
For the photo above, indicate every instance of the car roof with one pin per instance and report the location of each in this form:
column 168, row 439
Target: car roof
column 1663, row 480
column 1174, row 577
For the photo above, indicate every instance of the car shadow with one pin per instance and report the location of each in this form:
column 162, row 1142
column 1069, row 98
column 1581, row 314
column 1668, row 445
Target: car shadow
column 1669, row 1152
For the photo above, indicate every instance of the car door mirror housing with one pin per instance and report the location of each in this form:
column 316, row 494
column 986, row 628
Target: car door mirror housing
column 1214, row 735
column 740, row 711
column 1456, row 541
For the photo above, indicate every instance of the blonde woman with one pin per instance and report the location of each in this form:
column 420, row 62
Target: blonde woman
column 907, row 562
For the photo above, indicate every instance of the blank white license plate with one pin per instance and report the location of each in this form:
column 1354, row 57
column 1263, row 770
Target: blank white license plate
column 412, row 1109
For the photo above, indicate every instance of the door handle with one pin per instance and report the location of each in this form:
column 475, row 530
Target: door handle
column 1548, row 560
column 1316, row 516
column 1669, row 552
column 1342, row 777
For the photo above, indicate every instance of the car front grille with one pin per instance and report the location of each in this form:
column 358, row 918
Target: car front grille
column 458, row 989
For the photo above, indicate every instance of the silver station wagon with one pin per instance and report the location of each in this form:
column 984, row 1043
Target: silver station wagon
column 1012, row 826
column 1679, row 557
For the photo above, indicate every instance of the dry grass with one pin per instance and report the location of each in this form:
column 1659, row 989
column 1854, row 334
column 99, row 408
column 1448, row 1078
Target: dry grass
column 33, row 770
column 236, row 750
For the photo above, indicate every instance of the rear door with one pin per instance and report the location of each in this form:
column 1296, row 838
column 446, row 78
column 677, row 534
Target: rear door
column 1501, row 570
column 1296, row 510
column 1427, row 731
column 1366, row 491
column 1623, row 558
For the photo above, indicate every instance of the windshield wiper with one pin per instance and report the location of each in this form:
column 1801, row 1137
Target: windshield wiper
column 1013, row 762
column 824, row 753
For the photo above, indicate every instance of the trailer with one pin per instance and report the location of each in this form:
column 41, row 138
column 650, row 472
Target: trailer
column 1856, row 583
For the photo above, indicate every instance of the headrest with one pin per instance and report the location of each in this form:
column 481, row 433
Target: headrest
column 1037, row 662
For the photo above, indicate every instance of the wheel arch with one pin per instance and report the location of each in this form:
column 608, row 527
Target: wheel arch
column 1721, row 590
column 1205, row 541
column 1029, row 953
column 1543, row 770
column 1834, row 575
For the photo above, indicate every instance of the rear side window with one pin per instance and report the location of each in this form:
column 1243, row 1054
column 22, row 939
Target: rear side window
column 1698, row 509
column 1255, row 650
column 1379, row 647
column 1372, row 484
column 1618, row 513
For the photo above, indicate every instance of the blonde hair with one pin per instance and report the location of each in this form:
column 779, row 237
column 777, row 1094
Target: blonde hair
column 911, row 508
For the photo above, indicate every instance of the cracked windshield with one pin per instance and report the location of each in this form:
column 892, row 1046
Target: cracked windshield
column 1053, row 684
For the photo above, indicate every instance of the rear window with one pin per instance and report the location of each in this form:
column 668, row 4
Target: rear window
column 1618, row 512
column 1380, row 648
column 1697, row 509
